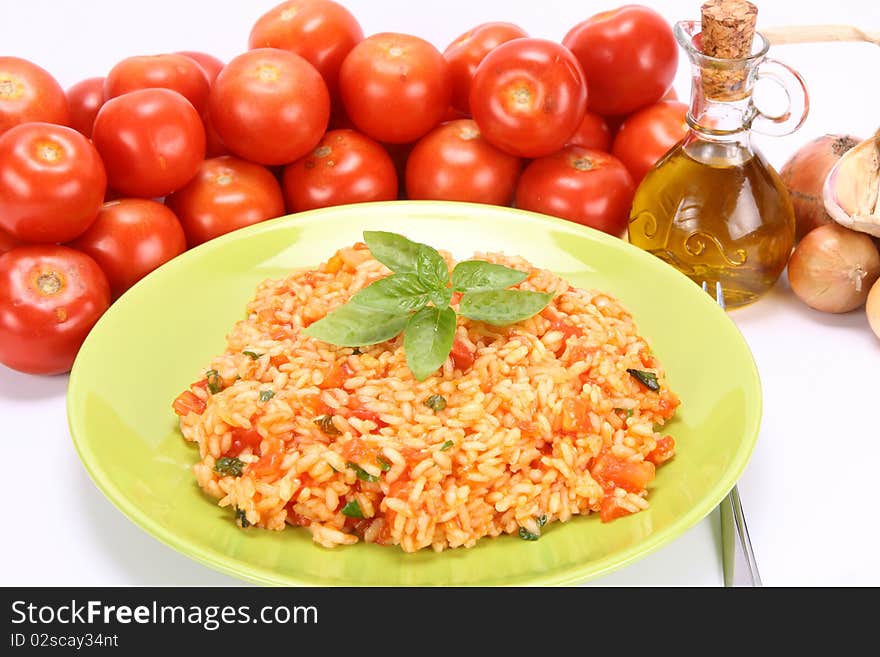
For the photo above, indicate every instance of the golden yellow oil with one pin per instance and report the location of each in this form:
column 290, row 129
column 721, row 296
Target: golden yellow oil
column 716, row 212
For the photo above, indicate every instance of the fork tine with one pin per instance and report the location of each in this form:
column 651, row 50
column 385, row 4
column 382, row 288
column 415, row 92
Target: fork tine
column 705, row 287
column 719, row 295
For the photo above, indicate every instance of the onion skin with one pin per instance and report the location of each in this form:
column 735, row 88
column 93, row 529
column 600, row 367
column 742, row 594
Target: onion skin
column 833, row 268
column 804, row 176
column 872, row 309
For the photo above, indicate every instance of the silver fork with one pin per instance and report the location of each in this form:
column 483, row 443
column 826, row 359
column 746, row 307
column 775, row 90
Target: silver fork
column 740, row 567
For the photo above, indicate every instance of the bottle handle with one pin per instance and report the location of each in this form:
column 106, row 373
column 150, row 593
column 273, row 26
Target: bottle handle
column 798, row 100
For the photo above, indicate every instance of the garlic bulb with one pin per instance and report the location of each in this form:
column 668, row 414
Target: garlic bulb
column 852, row 188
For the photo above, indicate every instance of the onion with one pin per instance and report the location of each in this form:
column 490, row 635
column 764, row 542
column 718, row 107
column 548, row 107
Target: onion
column 804, row 176
column 833, row 268
column 872, row 308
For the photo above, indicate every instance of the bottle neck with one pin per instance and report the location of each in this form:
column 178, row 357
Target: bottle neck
column 720, row 121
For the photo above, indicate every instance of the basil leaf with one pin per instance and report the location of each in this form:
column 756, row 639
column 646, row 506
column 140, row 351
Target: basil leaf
column 502, row 307
column 215, row 383
column 479, row 275
column 526, row 535
column 446, row 445
column 384, row 465
column 353, row 325
column 252, row 355
column 362, row 474
column 647, row 379
column 242, row 518
column 266, row 395
column 394, row 251
column 441, row 297
column 352, row 510
column 229, row 467
column 427, row 340
column 398, row 293
column 435, row 402
column 432, row 268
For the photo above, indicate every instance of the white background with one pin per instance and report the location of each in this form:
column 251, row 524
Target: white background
column 810, row 489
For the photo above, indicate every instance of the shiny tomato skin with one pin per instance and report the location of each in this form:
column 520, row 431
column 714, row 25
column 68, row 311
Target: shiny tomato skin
column 582, row 185
column 7, row 242
column 269, row 106
column 29, row 93
column 151, row 140
column 345, row 167
column 454, row 163
column 395, row 87
column 528, row 96
column 647, row 136
column 130, row 238
column 50, row 298
column 52, row 182
column 468, row 50
column 84, row 99
column 593, row 132
column 210, row 65
column 629, row 55
column 169, row 71
column 320, row 31
column 226, row 194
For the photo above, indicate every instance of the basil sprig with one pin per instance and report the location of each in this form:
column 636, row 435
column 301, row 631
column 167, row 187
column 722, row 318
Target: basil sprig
column 415, row 300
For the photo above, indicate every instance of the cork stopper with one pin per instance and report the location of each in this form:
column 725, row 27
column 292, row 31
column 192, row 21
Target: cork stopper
column 728, row 27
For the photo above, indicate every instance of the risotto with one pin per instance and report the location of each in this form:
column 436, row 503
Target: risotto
column 556, row 416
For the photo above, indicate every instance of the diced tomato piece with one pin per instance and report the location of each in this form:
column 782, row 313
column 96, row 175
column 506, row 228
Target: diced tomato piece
column 244, row 438
column 666, row 407
column 664, row 451
column 567, row 329
column 456, row 297
column 611, row 510
column 338, row 375
column 316, row 405
column 357, row 451
column 463, row 356
column 357, row 409
column 187, row 402
column 270, row 461
column 611, row 471
column 333, row 265
column 574, row 416
column 648, row 359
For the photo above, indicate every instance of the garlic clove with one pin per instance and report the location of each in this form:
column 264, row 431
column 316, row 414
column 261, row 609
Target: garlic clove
column 852, row 189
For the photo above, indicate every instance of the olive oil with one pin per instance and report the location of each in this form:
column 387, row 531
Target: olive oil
column 717, row 211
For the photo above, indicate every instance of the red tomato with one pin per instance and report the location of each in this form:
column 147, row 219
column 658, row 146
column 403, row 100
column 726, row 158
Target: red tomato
column 463, row 356
column 346, row 167
column 226, row 194
column 670, row 94
column 210, row 65
column 647, row 135
column 664, row 451
column 593, row 132
column 629, row 56
column 50, row 297
column 151, row 140
column 454, row 163
column 395, row 87
column 269, row 106
column 528, row 96
column 610, row 509
column 52, row 182
column 214, row 146
column 84, row 100
column 633, row 476
column 130, row 238
column 320, row 31
column 176, row 72
column 585, row 186
column 7, row 242
column 29, row 93
column 467, row 51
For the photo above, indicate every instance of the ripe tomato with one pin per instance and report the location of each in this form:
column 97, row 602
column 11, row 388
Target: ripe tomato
column 7, row 242
column 629, row 56
column 454, row 163
column 528, row 96
column 176, row 72
column 320, row 31
column 214, row 146
column 130, row 238
column 395, row 87
column 210, row 65
column 346, row 167
column 84, row 99
column 29, row 93
column 593, row 132
column 467, row 51
column 151, row 140
column 648, row 134
column 52, row 182
column 269, row 106
column 50, row 298
column 227, row 193
column 585, row 186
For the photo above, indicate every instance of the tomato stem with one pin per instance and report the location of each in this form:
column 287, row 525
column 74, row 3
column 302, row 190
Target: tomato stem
column 49, row 282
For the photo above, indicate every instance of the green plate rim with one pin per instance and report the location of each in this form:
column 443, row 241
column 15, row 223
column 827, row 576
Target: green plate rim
column 569, row 576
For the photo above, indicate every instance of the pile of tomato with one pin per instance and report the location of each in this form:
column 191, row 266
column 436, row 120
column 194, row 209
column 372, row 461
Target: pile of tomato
column 103, row 183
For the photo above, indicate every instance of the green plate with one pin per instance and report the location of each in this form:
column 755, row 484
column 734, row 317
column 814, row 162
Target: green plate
column 152, row 343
